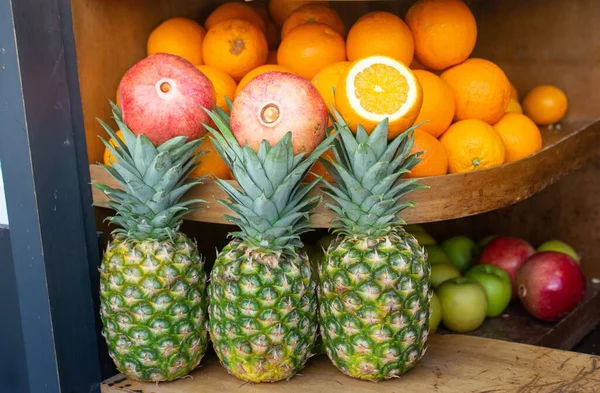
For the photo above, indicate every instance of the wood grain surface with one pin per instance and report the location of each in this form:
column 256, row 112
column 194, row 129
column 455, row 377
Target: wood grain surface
column 453, row 363
column 449, row 196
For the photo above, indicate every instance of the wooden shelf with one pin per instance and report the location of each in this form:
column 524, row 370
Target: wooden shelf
column 452, row 196
column 453, row 363
column 517, row 325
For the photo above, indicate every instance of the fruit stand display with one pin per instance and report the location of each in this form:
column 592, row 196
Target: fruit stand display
column 392, row 178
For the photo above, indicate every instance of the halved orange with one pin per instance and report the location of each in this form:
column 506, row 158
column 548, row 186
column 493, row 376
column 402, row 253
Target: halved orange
column 379, row 87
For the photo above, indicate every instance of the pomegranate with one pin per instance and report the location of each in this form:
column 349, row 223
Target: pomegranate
column 275, row 103
column 550, row 285
column 509, row 254
column 162, row 96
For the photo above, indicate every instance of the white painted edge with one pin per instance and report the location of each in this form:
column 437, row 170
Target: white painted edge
column 3, row 213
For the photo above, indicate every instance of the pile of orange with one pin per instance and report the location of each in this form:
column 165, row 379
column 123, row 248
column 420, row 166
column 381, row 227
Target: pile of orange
column 412, row 70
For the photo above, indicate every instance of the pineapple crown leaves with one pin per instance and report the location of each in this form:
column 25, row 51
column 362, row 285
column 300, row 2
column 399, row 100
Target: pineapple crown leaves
column 152, row 180
column 367, row 170
column 272, row 207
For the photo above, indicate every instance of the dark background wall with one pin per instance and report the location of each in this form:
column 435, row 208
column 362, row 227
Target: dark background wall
column 13, row 368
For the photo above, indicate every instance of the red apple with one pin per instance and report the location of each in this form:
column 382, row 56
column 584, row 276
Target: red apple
column 163, row 96
column 275, row 103
column 509, row 254
column 550, row 285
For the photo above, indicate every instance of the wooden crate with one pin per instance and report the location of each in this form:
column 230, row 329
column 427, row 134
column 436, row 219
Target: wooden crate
column 552, row 194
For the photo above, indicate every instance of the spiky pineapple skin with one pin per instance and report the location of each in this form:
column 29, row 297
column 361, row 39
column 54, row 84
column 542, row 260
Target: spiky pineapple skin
column 263, row 312
column 374, row 297
column 154, row 306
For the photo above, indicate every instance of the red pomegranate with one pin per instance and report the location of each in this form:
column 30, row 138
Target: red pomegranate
column 275, row 103
column 163, row 96
column 509, row 254
column 550, row 285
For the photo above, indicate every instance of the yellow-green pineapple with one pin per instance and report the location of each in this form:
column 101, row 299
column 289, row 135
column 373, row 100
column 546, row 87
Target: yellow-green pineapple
column 152, row 279
column 374, row 280
column 263, row 301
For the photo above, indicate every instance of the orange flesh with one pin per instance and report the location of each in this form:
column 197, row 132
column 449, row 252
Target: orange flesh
column 381, row 89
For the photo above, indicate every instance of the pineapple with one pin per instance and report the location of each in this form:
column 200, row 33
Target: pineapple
column 374, row 290
column 152, row 279
column 263, row 302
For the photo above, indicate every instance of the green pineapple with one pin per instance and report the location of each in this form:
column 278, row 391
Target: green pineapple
column 374, row 288
column 152, row 279
column 263, row 302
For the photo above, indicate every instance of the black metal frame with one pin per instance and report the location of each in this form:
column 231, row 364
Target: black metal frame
column 50, row 334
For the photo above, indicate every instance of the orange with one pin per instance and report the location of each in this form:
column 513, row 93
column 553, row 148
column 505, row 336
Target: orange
column 514, row 93
column 376, row 88
column 415, row 65
column 235, row 10
column 210, row 163
column 280, row 10
column 434, row 160
column 260, row 70
column 481, row 90
column 178, row 36
column 327, row 79
column 438, row 104
column 380, row 33
column 108, row 156
column 520, row 135
column 224, row 84
column 472, row 145
column 235, row 46
column 272, row 58
column 545, row 104
column 319, row 169
column 514, row 106
column 444, row 32
column 314, row 13
column 309, row 48
column 271, row 30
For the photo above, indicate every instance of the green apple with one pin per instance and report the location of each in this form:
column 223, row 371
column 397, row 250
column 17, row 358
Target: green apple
column 497, row 285
column 315, row 256
column 464, row 304
column 414, row 228
column 424, row 238
column 485, row 241
column 461, row 250
column 435, row 313
column 435, row 254
column 559, row 246
column 441, row 272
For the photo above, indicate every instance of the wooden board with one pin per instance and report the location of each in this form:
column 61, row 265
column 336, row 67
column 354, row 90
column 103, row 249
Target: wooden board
column 453, row 363
column 451, row 196
column 517, row 325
